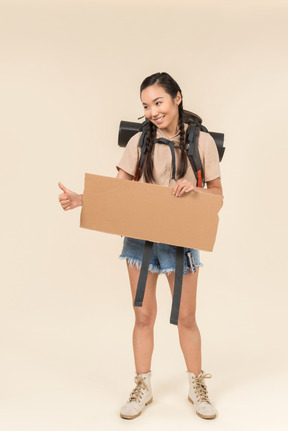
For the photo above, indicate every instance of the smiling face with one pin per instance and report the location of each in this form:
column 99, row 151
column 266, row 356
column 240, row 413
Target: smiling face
column 161, row 109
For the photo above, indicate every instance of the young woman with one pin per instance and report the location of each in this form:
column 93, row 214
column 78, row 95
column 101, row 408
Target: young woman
column 162, row 101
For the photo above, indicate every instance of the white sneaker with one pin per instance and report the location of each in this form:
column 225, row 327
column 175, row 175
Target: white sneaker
column 198, row 395
column 140, row 397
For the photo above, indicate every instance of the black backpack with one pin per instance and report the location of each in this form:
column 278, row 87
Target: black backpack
column 126, row 131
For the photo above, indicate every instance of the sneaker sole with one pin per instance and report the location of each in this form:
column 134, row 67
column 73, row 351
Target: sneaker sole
column 138, row 414
column 199, row 414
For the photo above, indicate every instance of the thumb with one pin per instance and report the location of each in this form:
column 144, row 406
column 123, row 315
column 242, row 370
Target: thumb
column 65, row 190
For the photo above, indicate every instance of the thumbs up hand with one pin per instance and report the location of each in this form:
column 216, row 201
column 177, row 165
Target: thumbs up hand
column 69, row 199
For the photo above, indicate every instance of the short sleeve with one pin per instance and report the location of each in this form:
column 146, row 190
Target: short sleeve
column 209, row 157
column 130, row 158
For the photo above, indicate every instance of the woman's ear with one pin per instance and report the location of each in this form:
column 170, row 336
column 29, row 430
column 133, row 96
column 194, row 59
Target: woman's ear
column 178, row 98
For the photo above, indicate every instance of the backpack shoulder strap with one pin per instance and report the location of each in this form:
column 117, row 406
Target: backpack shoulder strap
column 142, row 145
column 193, row 133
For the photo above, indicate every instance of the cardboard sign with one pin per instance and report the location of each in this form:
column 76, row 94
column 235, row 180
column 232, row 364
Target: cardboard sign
column 150, row 212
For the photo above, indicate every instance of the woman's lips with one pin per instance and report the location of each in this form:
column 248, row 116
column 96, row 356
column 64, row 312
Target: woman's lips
column 159, row 120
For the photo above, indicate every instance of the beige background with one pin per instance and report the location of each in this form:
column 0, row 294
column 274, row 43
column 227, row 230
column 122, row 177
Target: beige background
column 70, row 71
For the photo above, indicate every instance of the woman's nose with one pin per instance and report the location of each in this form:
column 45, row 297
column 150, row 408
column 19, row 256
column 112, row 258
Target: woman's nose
column 154, row 112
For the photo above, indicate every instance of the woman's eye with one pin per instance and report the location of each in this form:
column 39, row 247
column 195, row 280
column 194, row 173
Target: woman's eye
column 158, row 102
column 145, row 107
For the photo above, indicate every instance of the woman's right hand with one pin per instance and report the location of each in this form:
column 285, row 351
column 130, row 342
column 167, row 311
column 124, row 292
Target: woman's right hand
column 69, row 199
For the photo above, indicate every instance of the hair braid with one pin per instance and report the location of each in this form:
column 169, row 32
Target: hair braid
column 172, row 88
column 182, row 167
column 148, row 163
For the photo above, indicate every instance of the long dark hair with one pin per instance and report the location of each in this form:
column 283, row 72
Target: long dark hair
column 171, row 87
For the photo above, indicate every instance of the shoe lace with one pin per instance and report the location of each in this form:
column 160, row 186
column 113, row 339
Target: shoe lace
column 136, row 394
column 200, row 388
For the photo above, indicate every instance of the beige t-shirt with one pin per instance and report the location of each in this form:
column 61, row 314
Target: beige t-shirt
column 162, row 159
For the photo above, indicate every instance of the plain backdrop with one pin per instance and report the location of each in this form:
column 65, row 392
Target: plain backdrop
column 70, row 71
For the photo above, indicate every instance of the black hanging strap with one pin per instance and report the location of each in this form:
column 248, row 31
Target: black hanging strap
column 179, row 266
column 171, row 146
column 177, row 285
column 143, row 274
column 142, row 144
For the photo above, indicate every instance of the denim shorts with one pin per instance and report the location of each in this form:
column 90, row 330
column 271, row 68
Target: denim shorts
column 162, row 259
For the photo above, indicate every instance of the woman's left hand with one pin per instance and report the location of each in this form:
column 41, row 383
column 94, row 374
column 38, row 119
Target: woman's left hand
column 182, row 187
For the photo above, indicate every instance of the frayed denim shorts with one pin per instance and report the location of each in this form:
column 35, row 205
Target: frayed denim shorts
column 163, row 256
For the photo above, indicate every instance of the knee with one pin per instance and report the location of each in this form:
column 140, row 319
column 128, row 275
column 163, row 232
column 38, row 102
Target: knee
column 144, row 318
column 187, row 321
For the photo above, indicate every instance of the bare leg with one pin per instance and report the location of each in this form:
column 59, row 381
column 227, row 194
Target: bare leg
column 189, row 335
column 143, row 336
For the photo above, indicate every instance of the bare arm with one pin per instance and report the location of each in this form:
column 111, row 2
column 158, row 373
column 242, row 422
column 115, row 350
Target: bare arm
column 122, row 175
column 213, row 186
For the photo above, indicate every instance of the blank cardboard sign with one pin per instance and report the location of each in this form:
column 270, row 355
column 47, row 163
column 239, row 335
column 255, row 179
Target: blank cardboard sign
column 150, row 212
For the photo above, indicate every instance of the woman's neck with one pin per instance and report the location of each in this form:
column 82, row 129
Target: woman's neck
column 171, row 130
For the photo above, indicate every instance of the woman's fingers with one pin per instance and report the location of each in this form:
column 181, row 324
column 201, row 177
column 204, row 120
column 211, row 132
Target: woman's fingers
column 68, row 199
column 66, row 206
column 182, row 191
column 64, row 199
column 177, row 189
column 183, row 187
